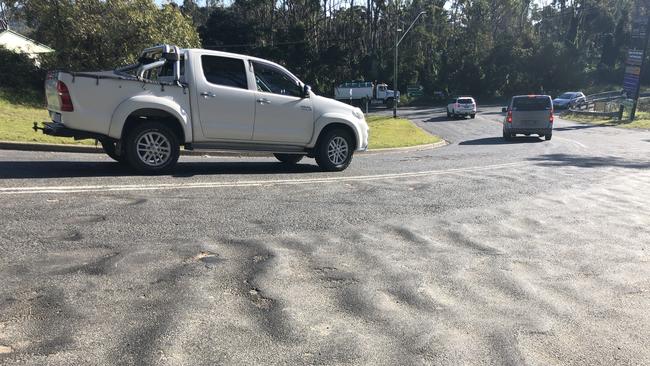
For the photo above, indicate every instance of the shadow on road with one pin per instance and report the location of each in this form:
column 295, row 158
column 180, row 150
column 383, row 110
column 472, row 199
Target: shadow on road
column 582, row 161
column 581, row 127
column 438, row 119
column 72, row 169
column 501, row 141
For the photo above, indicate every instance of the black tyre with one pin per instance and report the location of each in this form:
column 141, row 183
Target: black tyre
column 334, row 150
column 548, row 137
column 289, row 158
column 110, row 149
column 507, row 135
column 448, row 114
column 473, row 116
column 151, row 148
column 390, row 102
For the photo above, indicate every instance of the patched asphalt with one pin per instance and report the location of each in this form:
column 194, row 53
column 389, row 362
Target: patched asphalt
column 480, row 252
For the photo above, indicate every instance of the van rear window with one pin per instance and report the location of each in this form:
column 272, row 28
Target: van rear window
column 531, row 104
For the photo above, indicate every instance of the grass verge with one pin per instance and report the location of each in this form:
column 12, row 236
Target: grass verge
column 642, row 120
column 19, row 111
column 388, row 132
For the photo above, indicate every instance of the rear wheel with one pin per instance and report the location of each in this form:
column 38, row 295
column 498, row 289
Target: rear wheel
column 334, row 150
column 448, row 114
column 507, row 135
column 288, row 158
column 110, row 148
column 548, row 137
column 152, row 148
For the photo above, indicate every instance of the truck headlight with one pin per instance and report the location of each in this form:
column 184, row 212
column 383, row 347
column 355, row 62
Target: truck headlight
column 357, row 113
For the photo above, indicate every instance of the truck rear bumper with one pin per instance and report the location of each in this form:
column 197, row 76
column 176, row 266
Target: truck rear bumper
column 60, row 130
column 534, row 131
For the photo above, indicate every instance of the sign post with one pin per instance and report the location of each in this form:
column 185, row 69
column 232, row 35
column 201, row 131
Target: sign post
column 635, row 63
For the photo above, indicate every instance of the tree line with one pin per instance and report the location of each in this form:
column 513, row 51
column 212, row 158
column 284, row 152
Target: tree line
column 487, row 48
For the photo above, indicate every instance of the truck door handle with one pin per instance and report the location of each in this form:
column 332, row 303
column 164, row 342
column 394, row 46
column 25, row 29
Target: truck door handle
column 263, row 101
column 208, row 94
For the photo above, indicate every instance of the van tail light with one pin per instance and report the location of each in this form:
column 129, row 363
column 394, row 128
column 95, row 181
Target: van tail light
column 64, row 97
column 551, row 118
column 509, row 119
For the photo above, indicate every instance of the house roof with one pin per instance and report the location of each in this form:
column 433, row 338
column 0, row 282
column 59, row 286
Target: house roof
column 18, row 43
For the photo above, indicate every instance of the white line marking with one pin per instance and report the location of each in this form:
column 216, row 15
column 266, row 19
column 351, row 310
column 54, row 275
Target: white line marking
column 574, row 141
column 252, row 183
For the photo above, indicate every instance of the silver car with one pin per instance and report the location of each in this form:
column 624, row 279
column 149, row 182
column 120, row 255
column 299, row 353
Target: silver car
column 527, row 115
column 569, row 100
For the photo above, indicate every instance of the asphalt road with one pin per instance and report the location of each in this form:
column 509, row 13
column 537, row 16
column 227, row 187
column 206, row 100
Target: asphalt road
column 479, row 252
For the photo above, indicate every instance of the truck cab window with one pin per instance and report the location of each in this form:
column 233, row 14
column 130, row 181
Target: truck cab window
column 224, row 71
column 273, row 80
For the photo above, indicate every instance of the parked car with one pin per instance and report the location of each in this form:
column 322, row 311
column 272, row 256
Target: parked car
column 569, row 100
column 204, row 99
column 461, row 107
column 529, row 114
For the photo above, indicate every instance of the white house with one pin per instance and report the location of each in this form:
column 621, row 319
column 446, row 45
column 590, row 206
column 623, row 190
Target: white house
column 16, row 42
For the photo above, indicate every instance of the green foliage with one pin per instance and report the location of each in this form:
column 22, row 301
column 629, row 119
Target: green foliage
column 18, row 72
column 487, row 48
column 97, row 34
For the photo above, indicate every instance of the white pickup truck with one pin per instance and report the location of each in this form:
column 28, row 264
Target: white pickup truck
column 201, row 99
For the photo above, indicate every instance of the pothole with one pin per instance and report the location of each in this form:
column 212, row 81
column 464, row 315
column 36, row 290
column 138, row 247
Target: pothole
column 208, row 258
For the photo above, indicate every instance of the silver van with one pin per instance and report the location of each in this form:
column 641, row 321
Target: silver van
column 529, row 114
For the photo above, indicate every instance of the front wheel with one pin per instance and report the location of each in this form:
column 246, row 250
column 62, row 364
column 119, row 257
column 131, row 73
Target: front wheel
column 288, row 158
column 152, row 148
column 390, row 103
column 334, row 151
column 473, row 116
column 548, row 137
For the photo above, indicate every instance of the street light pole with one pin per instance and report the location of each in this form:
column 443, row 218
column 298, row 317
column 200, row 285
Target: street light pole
column 397, row 42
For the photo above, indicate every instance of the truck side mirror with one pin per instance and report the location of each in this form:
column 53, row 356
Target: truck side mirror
column 305, row 91
column 504, row 110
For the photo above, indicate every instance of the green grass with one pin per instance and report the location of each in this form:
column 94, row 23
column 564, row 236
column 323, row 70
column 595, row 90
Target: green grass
column 19, row 111
column 642, row 120
column 388, row 132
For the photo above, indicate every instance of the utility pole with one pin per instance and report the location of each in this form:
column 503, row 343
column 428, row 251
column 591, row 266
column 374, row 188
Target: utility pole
column 395, row 70
column 397, row 42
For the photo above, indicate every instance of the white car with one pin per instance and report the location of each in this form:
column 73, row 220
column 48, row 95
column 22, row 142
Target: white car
column 461, row 107
column 204, row 99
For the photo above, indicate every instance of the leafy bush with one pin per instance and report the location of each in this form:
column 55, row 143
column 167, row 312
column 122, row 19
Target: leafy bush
column 17, row 71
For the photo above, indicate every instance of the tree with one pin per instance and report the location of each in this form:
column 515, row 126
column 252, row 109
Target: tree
column 95, row 34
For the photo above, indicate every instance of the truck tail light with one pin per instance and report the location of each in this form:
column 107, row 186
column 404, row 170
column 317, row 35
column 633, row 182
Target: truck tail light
column 64, row 97
column 509, row 119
